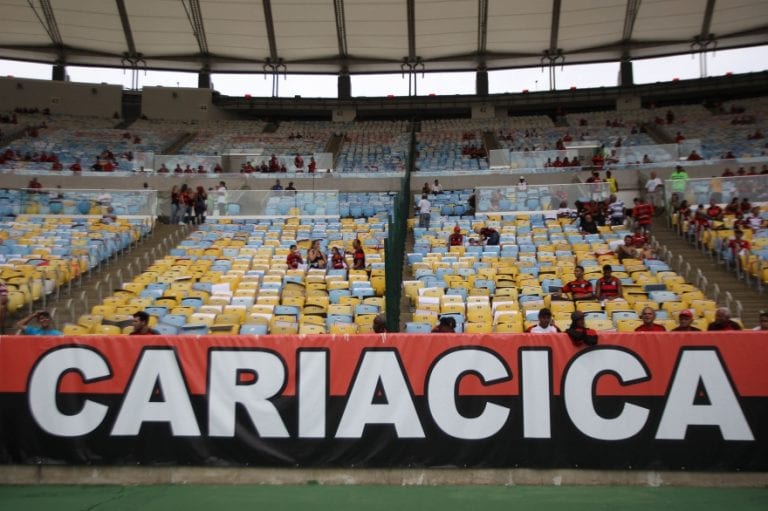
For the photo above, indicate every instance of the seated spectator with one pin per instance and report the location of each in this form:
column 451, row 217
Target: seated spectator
column 141, row 324
column 578, row 288
column 694, row 156
column 43, row 319
column 456, row 239
column 745, row 206
column 426, row 189
column 163, row 169
column 109, row 216
column 315, row 256
column 358, row 257
column 627, row 250
column 437, row 188
column 723, row 321
column 545, row 324
column 685, row 319
column 294, row 258
column 649, row 316
column 337, row 259
column 732, row 208
column 727, row 173
column 714, row 212
column 380, row 324
column 447, row 324
column 578, row 331
column 763, row 322
column 588, row 225
column 679, row 137
column 608, row 286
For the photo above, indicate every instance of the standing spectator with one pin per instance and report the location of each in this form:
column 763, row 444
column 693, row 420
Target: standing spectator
column 545, row 324
column 358, row 257
column 221, row 198
column 608, row 286
column 290, row 187
column 294, row 258
column 643, row 214
column 200, row 205
column 34, row 185
column 685, row 319
column 679, row 178
column 298, row 162
column 737, row 247
column 723, row 321
column 175, row 205
column 425, row 208
column 649, row 316
column 187, row 201
column 615, row 211
column 141, row 324
column 653, row 188
column 277, row 186
column 446, row 325
column 43, row 319
column 614, row 186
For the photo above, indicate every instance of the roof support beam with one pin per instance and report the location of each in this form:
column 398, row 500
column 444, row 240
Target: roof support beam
column 48, row 21
column 126, row 27
column 341, row 27
column 482, row 26
column 555, row 30
column 411, row 30
column 706, row 25
column 633, row 7
column 195, row 17
column 269, row 22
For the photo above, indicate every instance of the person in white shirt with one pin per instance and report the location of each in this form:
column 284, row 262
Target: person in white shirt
column 221, row 198
column 437, row 188
column 545, row 324
column 522, row 185
column 763, row 322
column 424, row 207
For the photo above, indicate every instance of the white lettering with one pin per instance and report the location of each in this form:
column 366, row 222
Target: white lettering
column 399, row 410
column 442, row 389
column 43, row 388
column 723, row 409
column 312, row 390
column 535, row 392
column 226, row 392
column 578, row 394
column 161, row 368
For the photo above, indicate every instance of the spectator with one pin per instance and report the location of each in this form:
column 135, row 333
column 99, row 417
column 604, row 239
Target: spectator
column 714, row 211
column 34, row 185
column 763, row 322
column 447, row 324
column 221, row 198
column 358, row 257
column 578, row 288
column 614, row 186
column 588, row 225
column 694, row 156
column 290, row 187
column 685, row 319
column 425, row 211
column 201, row 198
column 522, row 185
column 294, row 258
column 723, row 321
column 426, row 190
column 437, row 188
column 545, row 324
column 649, row 316
column 615, row 210
column 608, row 286
column 337, row 259
column 141, row 324
column 643, row 214
column 3, row 305
column 43, row 319
column 679, row 178
column 380, row 324
column 456, row 239
column 578, row 331
column 488, row 235
column 277, row 186
column 315, row 256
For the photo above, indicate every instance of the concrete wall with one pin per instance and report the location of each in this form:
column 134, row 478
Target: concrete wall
column 180, row 103
column 61, row 97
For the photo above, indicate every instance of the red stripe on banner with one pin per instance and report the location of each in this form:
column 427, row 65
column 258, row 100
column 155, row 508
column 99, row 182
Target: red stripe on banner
column 742, row 353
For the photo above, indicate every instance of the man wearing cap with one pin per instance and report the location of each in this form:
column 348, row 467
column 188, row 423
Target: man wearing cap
column 545, row 324
column 685, row 319
column 648, row 316
column 456, row 239
column 578, row 331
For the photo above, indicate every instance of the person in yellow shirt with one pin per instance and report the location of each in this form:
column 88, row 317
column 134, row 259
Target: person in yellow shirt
column 611, row 182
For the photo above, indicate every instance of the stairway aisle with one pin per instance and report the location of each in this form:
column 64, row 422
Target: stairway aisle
column 751, row 300
column 100, row 282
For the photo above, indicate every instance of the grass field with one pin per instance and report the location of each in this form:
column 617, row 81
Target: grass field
column 389, row 498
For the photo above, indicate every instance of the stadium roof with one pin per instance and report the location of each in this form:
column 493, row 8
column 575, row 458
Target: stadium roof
column 369, row 36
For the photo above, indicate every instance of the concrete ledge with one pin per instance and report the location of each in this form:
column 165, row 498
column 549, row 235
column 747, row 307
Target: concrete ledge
column 142, row 475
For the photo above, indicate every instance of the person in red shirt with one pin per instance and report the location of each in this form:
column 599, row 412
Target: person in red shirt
column 732, row 208
column 456, row 239
column 727, row 173
column 639, row 239
column 608, row 287
column 738, row 245
column 298, row 162
column 56, row 166
column 337, row 259
column 648, row 316
column 294, row 258
column 643, row 214
column 578, row 331
column 578, row 288
column 76, row 166
column 312, row 164
column 723, row 321
column 34, row 184
column 358, row 258
column 217, row 169
column 714, row 211
column 685, row 319
column 141, row 324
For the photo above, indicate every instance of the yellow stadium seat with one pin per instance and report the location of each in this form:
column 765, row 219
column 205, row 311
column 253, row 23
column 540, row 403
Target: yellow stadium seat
column 311, row 328
column 484, row 327
column 70, row 329
column 511, row 328
column 628, row 325
column 107, row 330
column 343, row 328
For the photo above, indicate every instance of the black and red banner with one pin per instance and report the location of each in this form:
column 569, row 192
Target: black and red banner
column 646, row 401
